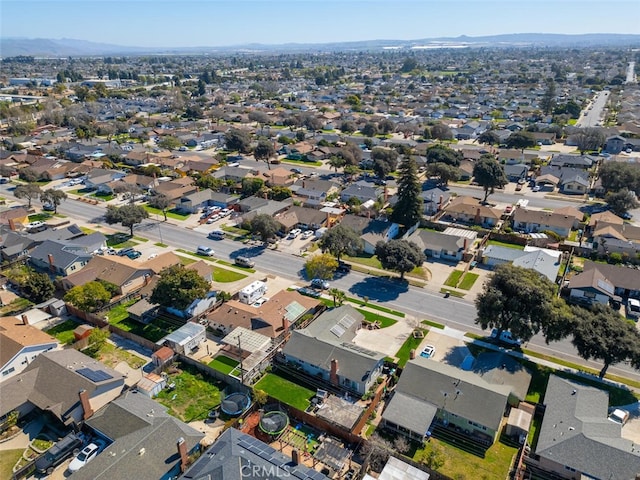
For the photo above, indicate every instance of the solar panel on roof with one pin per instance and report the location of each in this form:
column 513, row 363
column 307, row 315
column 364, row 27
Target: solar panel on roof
column 607, row 287
column 94, row 375
column 337, row 330
column 347, row 321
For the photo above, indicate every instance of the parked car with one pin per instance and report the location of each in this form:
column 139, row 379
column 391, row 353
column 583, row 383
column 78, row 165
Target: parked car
column 134, row 254
column 428, row 351
column 206, row 251
column 506, row 337
column 125, row 251
column 297, row 171
column 343, row 267
column 87, row 454
column 245, row 262
column 216, row 235
column 309, row 292
column 320, row 283
column 307, row 234
column 633, row 308
column 48, row 207
column 294, row 233
column 58, row 453
column 536, row 188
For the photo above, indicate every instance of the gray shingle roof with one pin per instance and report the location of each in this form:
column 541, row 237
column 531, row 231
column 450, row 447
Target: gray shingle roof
column 576, row 432
column 410, row 412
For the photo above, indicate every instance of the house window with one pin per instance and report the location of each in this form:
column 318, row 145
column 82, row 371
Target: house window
column 589, row 294
column 8, row 371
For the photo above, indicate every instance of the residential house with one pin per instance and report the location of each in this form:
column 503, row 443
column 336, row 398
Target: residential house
column 14, row 245
column 605, row 218
column 616, row 238
column 544, row 261
column 433, row 394
column 101, row 179
column 434, row 199
column 195, row 201
column 577, row 439
column 570, row 180
column 67, row 384
column 302, row 218
column 324, row 350
column 143, row 182
column 362, row 191
column 450, row 246
column 59, row 258
column 144, row 441
column 615, row 144
column 314, row 192
column 279, row 177
column 531, row 221
column 15, row 218
column 583, row 162
column 543, row 138
column 515, row 172
column 127, row 275
column 20, row 344
column 499, row 368
column 625, row 280
column 177, row 188
column 223, row 200
column 470, row 210
column 235, row 453
column 235, row 174
column 590, row 287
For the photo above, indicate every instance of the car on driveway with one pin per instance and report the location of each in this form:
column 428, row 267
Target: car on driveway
column 536, row 188
column 307, row 234
column 134, row 254
column 58, row 453
column 428, row 351
column 297, row 171
column 87, row 454
column 294, row 233
column 309, row 292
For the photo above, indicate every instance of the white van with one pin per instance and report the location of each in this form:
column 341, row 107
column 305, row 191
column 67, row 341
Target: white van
column 207, row 251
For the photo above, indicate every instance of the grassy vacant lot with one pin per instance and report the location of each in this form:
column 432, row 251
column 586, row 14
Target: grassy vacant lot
column 193, row 397
column 63, row 331
column 408, row 345
column 223, row 364
column 111, row 356
column 8, row 458
column 464, row 465
column 286, row 391
column 170, row 213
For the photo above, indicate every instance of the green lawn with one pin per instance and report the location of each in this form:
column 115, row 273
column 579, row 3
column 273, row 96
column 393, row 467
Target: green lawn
column 505, row 244
column 39, row 217
column 286, row 391
column 120, row 240
column 229, row 264
column 468, row 280
column 368, row 260
column 149, row 331
column 223, row 364
column 454, row 278
column 193, row 397
column 103, row 196
column 464, row 465
column 111, row 356
column 119, row 312
column 409, row 344
column 222, row 275
column 375, row 306
column 64, row 331
column 17, row 305
column 8, row 458
column 301, row 162
column 375, row 317
column 170, row 213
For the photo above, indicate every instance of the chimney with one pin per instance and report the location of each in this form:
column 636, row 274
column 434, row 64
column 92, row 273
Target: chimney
column 285, row 323
column 412, row 354
column 86, row 405
column 51, row 265
column 25, row 320
column 333, row 375
column 440, row 202
column 182, row 452
column 466, row 245
column 12, row 224
column 386, row 194
column 295, row 458
column 477, row 219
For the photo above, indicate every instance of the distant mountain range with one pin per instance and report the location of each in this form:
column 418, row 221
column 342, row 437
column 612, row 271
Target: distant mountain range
column 46, row 47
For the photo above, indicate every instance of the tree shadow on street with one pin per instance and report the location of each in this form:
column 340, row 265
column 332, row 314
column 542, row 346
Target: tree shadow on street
column 380, row 289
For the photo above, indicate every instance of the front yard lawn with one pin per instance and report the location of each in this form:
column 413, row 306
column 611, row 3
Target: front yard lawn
column 454, row 278
column 286, row 391
column 222, row 275
column 223, row 364
column 409, row 344
column 468, row 280
column 374, row 317
column 40, row 217
column 63, row 331
column 504, row 244
column 364, row 259
column 193, row 396
column 8, row 458
column 176, row 215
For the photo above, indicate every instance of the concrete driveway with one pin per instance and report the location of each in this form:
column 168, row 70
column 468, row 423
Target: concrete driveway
column 450, row 349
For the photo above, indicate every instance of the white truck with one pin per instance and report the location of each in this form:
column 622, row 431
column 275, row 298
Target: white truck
column 252, row 292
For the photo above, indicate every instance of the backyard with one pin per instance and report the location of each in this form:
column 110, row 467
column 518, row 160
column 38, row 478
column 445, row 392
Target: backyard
column 223, row 364
column 111, row 356
column 286, row 391
column 63, row 332
column 193, row 396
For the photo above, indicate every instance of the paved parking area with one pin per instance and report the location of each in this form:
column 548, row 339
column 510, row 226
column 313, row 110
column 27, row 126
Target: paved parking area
column 450, row 349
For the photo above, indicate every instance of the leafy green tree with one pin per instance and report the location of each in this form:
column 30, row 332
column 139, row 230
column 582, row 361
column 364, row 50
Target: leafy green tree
column 370, row 129
column 440, row 131
column 601, row 333
column 280, row 193
column 522, row 301
column 351, row 153
column 321, row 266
column 622, row 201
column 28, row 175
column 127, row 215
column 385, row 161
column 348, row 126
column 444, row 172
column 29, row 191
column 432, row 456
column 129, row 190
column 161, row 202
column 399, row 256
column 38, row 287
column 408, row 209
column 251, row 186
column 338, row 296
column 489, row 137
column 386, row 126
column 264, row 225
column 207, row 181
column 178, row 287
column 520, row 140
column 489, row 174
column 169, row 142
column 336, row 162
column 409, row 64
column 264, row 151
column 88, row 297
column 54, row 197
column 341, row 240
column 238, row 140
column 97, row 338
column 443, row 154
column 616, row 176
column 548, row 100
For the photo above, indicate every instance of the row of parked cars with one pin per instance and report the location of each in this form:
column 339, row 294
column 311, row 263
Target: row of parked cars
column 73, row 444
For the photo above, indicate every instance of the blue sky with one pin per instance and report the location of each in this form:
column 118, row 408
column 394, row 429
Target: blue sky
column 174, row 23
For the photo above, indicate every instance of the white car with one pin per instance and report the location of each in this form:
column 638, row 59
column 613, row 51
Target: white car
column 307, row 234
column 87, row 454
column 428, row 351
column 320, row 283
column 294, row 233
column 536, row 188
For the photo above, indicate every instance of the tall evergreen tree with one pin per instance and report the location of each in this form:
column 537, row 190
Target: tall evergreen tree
column 408, row 210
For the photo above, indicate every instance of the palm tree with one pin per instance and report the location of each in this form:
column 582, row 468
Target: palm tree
column 338, row 296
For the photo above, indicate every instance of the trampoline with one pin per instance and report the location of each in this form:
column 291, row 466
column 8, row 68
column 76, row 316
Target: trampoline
column 235, row 403
column 274, row 422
